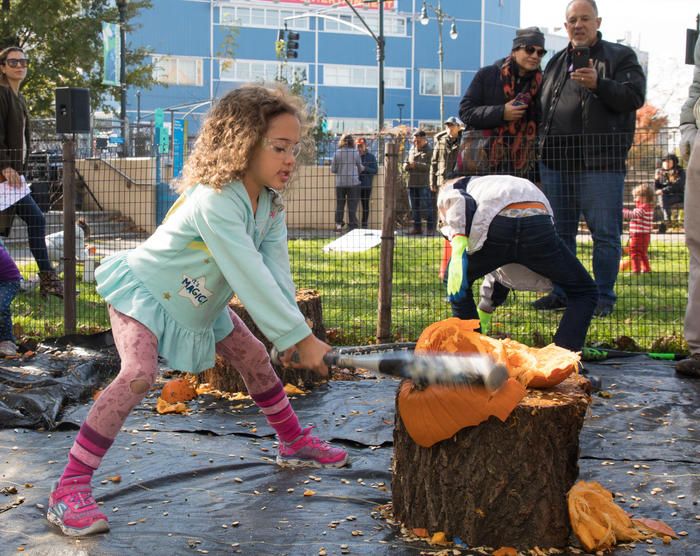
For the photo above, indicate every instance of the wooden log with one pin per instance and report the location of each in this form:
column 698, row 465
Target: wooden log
column 224, row 376
column 499, row 483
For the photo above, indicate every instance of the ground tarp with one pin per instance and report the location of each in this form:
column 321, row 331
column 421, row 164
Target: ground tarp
column 207, row 482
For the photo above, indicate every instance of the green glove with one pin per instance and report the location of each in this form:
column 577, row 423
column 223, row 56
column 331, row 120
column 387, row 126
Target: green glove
column 458, row 264
column 485, row 320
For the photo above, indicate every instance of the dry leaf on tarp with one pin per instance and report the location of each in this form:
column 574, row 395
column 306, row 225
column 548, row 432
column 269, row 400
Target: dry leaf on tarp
column 164, row 407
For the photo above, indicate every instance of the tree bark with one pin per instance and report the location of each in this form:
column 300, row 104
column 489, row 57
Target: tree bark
column 224, row 376
column 497, row 484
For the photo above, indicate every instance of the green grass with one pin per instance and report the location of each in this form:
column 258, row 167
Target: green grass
column 650, row 306
column 40, row 317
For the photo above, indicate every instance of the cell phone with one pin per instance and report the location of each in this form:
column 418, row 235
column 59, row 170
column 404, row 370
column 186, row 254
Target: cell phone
column 521, row 99
column 579, row 57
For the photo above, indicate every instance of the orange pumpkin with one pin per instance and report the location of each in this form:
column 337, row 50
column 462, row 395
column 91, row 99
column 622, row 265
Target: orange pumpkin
column 533, row 367
column 178, row 390
column 439, row 412
column 455, row 335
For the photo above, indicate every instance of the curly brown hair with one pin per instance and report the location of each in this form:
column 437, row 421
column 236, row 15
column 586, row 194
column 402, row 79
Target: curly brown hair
column 234, row 127
column 645, row 192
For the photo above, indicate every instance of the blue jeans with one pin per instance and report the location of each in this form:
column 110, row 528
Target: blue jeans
column 533, row 242
column 351, row 195
column 8, row 291
column 420, row 199
column 598, row 196
column 27, row 209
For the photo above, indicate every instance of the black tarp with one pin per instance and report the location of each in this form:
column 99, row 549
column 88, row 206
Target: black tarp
column 187, row 479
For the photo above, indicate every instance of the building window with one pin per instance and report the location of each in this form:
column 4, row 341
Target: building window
column 273, row 18
column 351, row 125
column 393, row 26
column 430, row 82
column 261, row 71
column 178, row 70
column 362, row 76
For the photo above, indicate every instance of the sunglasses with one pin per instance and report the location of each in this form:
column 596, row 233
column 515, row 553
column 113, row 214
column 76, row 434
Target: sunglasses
column 530, row 50
column 16, row 62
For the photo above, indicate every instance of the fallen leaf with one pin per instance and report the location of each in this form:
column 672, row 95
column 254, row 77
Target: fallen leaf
column 506, row 551
column 309, row 492
column 439, row 539
column 656, row 526
column 164, row 407
column 115, row 478
column 292, row 390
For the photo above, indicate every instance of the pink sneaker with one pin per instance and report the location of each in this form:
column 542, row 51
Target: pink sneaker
column 74, row 510
column 310, row 451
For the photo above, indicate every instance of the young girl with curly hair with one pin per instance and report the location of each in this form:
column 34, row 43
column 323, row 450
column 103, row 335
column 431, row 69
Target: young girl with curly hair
column 170, row 295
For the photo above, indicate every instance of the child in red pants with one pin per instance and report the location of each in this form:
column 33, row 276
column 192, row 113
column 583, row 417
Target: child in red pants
column 641, row 218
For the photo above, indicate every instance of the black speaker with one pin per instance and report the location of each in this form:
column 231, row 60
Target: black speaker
column 72, row 110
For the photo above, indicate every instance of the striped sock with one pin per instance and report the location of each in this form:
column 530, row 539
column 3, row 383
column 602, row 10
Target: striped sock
column 86, row 454
column 274, row 403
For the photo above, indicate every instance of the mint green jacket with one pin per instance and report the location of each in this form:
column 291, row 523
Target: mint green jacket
column 209, row 247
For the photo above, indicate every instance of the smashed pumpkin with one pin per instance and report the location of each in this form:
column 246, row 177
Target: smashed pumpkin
column 540, row 367
column 439, row 412
column 597, row 521
column 533, row 367
column 178, row 390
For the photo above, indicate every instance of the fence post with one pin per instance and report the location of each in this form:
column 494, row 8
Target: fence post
column 386, row 256
column 69, row 235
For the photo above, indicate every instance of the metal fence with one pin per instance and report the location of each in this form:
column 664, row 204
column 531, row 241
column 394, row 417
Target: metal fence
column 122, row 200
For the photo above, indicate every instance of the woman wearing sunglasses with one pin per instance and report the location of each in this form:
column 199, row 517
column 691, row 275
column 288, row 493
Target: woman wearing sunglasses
column 502, row 101
column 14, row 150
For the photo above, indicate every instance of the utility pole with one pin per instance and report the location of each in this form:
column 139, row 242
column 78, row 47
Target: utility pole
column 121, row 5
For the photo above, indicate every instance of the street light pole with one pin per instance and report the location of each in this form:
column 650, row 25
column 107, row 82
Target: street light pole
column 440, row 16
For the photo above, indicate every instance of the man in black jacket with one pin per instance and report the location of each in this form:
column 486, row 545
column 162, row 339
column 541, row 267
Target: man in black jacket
column 588, row 121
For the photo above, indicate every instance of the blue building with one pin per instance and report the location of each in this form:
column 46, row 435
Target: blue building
column 191, row 44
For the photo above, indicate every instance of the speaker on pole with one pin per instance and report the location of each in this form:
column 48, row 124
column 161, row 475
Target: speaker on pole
column 72, row 110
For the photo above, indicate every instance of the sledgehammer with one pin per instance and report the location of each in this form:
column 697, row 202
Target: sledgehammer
column 429, row 368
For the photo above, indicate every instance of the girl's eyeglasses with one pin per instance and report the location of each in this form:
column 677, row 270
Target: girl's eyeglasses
column 530, row 50
column 282, row 151
column 16, row 62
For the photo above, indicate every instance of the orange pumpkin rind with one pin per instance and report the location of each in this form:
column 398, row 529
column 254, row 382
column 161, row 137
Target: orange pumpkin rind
column 439, row 412
column 178, row 390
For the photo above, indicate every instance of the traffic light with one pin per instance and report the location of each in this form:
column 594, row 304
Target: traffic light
column 281, row 44
column 292, row 45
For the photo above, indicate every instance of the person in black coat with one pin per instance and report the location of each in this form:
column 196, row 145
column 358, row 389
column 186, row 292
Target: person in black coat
column 502, row 100
column 587, row 129
column 669, row 182
column 14, row 150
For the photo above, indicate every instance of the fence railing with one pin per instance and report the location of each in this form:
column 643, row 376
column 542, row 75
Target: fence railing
column 122, row 199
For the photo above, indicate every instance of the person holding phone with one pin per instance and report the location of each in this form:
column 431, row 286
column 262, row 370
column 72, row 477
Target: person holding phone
column 590, row 94
column 502, row 102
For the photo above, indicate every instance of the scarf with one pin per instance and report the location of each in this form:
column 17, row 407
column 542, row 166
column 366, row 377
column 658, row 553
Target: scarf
column 517, row 137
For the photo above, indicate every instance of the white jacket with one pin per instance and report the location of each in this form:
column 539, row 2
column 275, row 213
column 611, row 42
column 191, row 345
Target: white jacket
column 492, row 194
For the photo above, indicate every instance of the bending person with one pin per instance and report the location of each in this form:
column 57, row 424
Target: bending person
column 505, row 223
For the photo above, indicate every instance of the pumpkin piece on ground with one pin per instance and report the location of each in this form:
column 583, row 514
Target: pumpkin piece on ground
column 178, row 390
column 597, row 521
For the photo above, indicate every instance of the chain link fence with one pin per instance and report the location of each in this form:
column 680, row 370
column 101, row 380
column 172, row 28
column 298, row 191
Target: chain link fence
column 121, row 200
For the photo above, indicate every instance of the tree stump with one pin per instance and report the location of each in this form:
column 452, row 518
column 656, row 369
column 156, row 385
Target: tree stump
column 497, row 484
column 223, row 376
